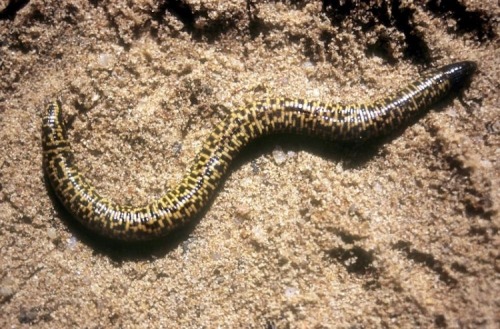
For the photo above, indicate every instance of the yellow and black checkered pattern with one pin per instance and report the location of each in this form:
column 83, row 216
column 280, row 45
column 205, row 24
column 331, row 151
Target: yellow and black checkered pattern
column 270, row 116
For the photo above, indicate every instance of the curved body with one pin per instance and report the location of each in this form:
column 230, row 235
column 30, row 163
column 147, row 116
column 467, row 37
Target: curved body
column 271, row 116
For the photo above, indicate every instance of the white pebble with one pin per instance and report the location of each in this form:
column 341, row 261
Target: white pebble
column 105, row 60
column 52, row 233
column 278, row 155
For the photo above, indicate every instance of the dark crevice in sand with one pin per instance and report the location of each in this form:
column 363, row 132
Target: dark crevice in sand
column 417, row 48
column 440, row 321
column 382, row 48
column 34, row 315
column 459, row 267
column 477, row 22
column 338, row 10
column 476, row 192
column 13, row 7
column 115, row 26
column 356, row 260
column 198, row 24
column 487, row 234
column 176, row 8
column 401, row 16
column 426, row 259
column 179, row 9
column 345, row 236
column 255, row 23
column 396, row 14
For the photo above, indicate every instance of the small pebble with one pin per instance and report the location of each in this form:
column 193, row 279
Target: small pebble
column 72, row 242
column 6, row 291
column 105, row 61
column 278, row 155
column 52, row 233
column 308, row 64
column 291, row 291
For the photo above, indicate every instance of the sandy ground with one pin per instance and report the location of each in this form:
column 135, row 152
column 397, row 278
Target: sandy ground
column 397, row 232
